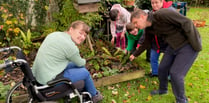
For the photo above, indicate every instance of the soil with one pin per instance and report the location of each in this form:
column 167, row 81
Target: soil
column 15, row 76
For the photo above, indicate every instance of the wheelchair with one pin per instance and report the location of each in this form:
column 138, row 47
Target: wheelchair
column 57, row 89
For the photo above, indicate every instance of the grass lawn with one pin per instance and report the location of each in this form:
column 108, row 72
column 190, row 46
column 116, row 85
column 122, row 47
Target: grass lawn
column 196, row 81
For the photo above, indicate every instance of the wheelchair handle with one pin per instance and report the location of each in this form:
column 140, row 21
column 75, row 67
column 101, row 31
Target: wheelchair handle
column 9, row 48
column 2, row 66
column 5, row 65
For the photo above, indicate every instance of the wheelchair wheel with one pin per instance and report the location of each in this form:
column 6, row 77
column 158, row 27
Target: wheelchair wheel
column 18, row 94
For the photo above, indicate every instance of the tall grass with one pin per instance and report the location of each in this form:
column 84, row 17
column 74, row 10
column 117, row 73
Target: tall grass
column 196, row 81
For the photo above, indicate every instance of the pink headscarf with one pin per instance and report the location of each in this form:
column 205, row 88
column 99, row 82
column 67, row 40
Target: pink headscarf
column 167, row 4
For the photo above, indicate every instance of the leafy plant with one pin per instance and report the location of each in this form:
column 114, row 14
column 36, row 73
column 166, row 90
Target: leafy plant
column 28, row 45
column 10, row 25
column 3, row 90
column 115, row 1
column 67, row 14
column 143, row 4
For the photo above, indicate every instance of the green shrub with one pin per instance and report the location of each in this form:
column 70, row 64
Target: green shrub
column 143, row 4
column 3, row 90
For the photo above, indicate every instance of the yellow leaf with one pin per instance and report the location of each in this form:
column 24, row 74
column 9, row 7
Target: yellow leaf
column 47, row 8
column 8, row 22
column 149, row 98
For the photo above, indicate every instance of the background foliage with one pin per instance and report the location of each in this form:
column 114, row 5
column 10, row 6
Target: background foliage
column 16, row 16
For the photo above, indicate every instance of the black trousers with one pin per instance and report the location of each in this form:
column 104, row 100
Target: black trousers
column 176, row 63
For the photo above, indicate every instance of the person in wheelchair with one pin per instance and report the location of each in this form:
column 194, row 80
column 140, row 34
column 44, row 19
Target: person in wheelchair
column 59, row 55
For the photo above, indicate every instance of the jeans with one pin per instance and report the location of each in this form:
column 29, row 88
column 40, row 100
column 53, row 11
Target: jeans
column 75, row 73
column 120, row 41
column 154, row 57
column 176, row 63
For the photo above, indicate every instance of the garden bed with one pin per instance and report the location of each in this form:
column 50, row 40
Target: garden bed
column 119, row 78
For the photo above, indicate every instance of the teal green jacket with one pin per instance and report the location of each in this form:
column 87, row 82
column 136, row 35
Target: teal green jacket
column 132, row 39
column 53, row 56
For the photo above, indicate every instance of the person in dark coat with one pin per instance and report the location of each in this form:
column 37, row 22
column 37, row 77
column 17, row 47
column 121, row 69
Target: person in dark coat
column 184, row 44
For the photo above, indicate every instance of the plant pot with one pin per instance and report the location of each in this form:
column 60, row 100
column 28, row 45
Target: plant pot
column 129, row 2
column 199, row 23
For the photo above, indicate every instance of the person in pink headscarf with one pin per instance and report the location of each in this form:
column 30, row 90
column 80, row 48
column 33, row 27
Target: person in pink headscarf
column 158, row 4
column 158, row 45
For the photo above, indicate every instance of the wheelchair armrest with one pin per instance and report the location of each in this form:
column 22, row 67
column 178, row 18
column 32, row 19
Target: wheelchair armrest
column 57, row 81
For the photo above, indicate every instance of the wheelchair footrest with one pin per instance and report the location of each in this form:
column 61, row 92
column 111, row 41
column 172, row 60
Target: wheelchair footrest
column 86, row 97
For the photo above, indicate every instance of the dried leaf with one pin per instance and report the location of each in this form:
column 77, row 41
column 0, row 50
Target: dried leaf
column 113, row 101
column 129, row 84
column 146, row 80
column 190, row 84
column 154, row 82
column 117, row 85
column 12, row 84
column 142, row 87
column 110, row 87
column 139, row 91
column 125, row 101
column 115, row 92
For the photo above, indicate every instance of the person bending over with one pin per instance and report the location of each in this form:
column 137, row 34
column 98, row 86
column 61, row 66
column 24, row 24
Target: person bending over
column 184, row 44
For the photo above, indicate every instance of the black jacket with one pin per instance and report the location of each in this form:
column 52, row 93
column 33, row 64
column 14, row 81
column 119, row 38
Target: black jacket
column 176, row 29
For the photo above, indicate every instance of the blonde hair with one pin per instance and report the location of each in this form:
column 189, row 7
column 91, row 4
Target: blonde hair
column 77, row 23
